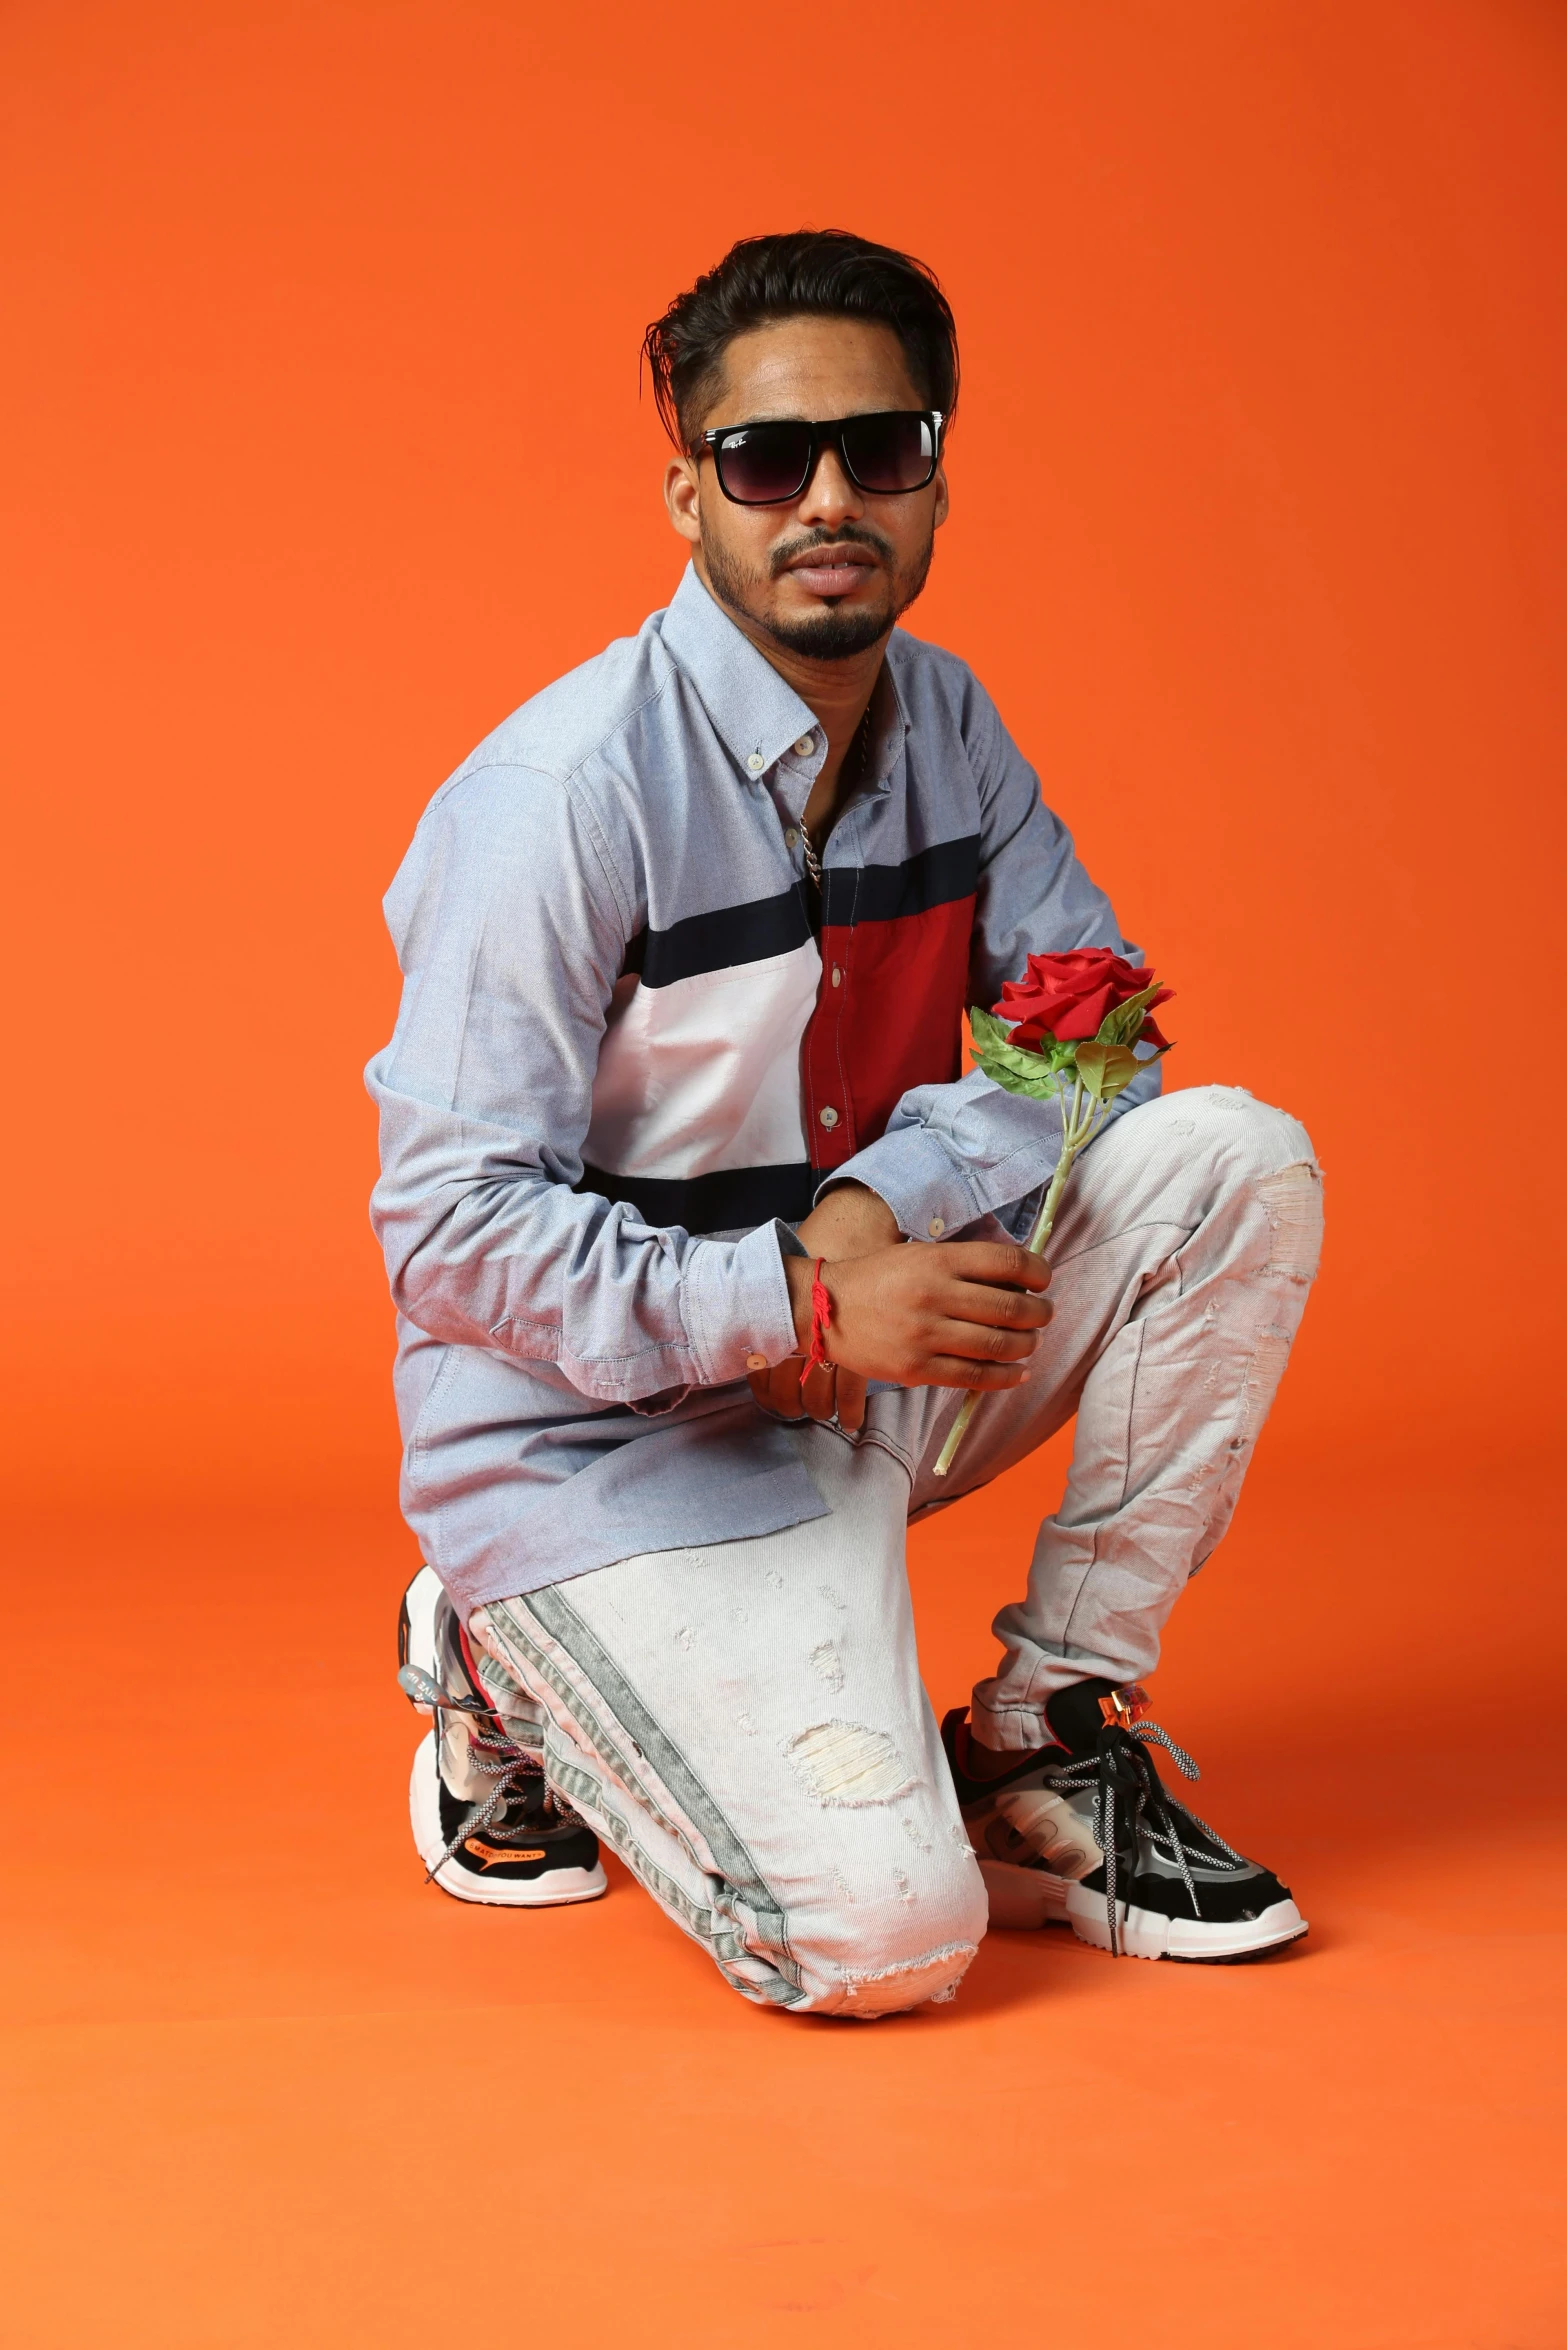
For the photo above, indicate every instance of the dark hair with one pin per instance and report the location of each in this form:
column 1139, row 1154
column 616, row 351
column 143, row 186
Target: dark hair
column 821, row 273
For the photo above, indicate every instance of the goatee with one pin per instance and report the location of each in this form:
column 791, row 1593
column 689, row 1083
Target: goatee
column 838, row 631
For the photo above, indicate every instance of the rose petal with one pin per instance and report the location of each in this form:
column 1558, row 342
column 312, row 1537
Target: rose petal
column 1084, row 1017
column 1067, row 996
column 1027, row 1035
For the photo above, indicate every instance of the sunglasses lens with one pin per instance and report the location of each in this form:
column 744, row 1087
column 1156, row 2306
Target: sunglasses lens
column 763, row 464
column 888, row 454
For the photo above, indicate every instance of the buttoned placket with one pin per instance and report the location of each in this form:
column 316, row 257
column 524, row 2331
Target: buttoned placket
column 789, row 786
column 831, row 1123
column 788, row 779
column 829, row 1106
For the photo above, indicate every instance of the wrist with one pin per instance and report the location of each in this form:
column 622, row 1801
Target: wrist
column 851, row 1221
column 799, row 1273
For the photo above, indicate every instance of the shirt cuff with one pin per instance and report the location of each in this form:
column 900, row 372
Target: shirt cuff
column 736, row 1303
column 957, row 1153
column 920, row 1180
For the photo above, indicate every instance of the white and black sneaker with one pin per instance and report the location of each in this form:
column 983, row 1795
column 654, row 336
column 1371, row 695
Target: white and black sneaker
column 1085, row 1834
column 486, row 1824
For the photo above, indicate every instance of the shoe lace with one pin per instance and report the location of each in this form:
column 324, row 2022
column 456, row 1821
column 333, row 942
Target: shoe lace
column 491, row 1753
column 1131, row 1806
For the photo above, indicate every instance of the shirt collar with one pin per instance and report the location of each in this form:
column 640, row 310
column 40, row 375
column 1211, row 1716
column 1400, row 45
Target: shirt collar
column 758, row 714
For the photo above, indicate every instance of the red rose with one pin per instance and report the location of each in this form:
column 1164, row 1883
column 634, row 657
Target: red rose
column 1067, row 997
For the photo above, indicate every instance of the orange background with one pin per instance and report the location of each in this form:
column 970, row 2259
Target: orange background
column 323, row 448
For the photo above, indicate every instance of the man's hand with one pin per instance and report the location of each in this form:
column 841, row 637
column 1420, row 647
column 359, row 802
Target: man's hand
column 959, row 1314
column 850, row 1222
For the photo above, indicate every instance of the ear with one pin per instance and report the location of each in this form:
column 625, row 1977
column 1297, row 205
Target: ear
column 683, row 497
column 943, row 502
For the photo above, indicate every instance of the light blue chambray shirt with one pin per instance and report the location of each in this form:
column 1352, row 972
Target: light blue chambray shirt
column 609, row 964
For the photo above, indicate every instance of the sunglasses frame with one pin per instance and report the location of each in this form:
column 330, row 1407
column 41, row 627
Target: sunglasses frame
column 824, row 434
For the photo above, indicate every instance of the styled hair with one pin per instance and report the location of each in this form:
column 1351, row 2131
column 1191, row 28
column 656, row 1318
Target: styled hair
column 811, row 273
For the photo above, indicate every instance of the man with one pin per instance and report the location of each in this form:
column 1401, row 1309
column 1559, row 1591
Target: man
column 687, row 943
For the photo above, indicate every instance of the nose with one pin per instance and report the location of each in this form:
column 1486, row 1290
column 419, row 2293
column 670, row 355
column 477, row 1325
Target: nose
column 829, row 497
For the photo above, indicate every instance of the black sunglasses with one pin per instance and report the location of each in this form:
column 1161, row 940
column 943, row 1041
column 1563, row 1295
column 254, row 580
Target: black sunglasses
column 885, row 454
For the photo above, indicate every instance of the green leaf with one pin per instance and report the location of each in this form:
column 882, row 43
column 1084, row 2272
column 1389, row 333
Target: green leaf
column 1011, row 1056
column 1114, row 1074
column 1039, row 1089
column 994, row 1052
column 1106, row 1069
column 1124, row 1024
column 1019, row 1072
column 986, row 1028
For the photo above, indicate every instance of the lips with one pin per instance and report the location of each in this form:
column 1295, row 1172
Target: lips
column 831, row 571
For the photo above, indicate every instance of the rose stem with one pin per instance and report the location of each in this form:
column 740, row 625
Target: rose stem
column 1073, row 1137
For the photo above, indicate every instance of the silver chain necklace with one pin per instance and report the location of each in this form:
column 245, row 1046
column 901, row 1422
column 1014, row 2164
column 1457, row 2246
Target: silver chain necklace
column 813, row 863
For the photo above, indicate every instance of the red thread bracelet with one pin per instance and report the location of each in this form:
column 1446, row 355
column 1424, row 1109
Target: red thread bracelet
column 821, row 1319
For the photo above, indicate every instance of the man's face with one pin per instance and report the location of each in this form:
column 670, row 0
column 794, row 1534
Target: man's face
column 828, row 574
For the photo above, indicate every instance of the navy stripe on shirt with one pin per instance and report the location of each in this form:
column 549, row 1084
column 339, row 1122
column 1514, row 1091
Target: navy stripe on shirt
column 886, row 893
column 774, row 926
column 728, row 1200
column 715, row 942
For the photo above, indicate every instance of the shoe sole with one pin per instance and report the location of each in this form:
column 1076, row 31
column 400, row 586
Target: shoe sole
column 551, row 1891
column 1029, row 1898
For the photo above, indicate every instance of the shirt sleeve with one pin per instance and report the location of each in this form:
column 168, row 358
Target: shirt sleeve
column 952, row 1154
column 511, row 924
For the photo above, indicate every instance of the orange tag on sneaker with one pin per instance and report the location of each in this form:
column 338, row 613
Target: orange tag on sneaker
column 489, row 1855
column 1125, row 1706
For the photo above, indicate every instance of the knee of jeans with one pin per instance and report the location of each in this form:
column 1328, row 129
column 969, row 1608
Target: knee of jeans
column 1252, row 1138
column 878, row 1940
column 1263, row 1155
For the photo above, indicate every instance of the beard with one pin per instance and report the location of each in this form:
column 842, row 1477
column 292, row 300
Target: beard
column 838, row 631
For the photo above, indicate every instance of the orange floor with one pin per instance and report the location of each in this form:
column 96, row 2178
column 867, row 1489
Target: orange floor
column 265, row 2089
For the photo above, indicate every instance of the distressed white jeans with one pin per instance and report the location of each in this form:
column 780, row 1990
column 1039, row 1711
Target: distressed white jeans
column 745, row 1724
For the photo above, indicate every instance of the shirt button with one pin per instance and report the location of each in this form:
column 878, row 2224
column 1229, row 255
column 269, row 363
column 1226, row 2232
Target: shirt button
column 756, row 762
column 805, row 746
column 936, row 1227
column 756, row 1362
column 829, row 1116
column 837, row 976
column 791, row 838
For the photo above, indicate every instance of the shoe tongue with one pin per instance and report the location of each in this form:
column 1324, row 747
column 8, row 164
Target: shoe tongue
column 1075, row 1716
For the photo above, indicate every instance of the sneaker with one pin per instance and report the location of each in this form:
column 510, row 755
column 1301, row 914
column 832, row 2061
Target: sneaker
column 1085, row 1834
column 502, row 1836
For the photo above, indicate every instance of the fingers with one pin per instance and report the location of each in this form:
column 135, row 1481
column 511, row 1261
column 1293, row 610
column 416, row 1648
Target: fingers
column 827, row 1394
column 999, row 1261
column 778, row 1388
column 923, row 1317
column 995, row 1309
column 980, row 1341
column 958, row 1371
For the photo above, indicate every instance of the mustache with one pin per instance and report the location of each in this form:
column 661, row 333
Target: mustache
column 852, row 534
